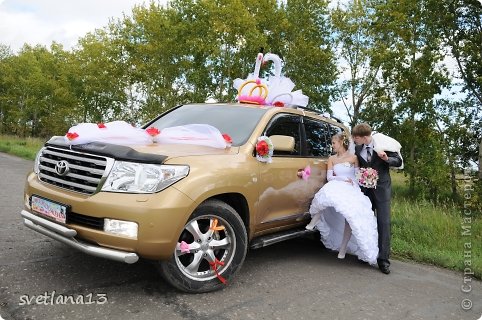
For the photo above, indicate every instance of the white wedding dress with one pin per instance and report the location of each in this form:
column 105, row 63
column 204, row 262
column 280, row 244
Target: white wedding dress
column 338, row 200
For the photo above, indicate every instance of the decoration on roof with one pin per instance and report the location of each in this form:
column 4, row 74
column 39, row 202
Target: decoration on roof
column 273, row 91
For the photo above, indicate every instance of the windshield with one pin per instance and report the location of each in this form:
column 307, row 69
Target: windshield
column 238, row 122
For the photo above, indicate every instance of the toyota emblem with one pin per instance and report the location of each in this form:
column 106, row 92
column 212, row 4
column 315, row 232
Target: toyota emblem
column 62, row 168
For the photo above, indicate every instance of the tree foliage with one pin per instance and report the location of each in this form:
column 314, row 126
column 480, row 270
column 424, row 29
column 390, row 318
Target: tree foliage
column 384, row 59
column 359, row 64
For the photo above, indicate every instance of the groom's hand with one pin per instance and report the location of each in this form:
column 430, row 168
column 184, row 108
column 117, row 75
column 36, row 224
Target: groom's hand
column 383, row 155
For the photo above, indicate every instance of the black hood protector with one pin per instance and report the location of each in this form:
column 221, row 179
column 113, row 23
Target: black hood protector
column 118, row 152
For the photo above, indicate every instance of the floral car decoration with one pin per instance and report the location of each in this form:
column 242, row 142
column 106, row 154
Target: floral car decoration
column 264, row 149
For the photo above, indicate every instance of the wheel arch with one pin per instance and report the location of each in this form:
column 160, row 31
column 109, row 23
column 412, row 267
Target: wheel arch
column 239, row 203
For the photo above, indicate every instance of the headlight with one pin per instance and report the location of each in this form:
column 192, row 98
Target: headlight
column 143, row 178
column 36, row 164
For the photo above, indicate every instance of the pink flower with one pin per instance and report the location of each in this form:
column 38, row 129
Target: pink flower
column 306, row 173
column 184, row 247
column 367, row 177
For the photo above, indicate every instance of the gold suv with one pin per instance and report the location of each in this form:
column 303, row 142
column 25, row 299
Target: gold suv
column 200, row 208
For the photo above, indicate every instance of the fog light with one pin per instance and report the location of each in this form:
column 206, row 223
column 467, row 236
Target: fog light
column 122, row 228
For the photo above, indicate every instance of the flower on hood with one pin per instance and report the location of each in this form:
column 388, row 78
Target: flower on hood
column 101, row 126
column 71, row 135
column 152, row 131
column 228, row 139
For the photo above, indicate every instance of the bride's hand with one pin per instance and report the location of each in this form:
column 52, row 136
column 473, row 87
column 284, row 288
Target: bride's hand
column 349, row 180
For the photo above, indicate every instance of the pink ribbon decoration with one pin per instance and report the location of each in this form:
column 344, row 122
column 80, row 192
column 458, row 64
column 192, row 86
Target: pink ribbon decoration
column 306, row 173
column 184, row 247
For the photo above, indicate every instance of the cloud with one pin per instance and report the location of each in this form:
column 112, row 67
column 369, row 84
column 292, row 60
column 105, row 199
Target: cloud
column 41, row 22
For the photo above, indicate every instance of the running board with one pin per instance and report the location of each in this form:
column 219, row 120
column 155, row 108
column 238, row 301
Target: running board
column 270, row 239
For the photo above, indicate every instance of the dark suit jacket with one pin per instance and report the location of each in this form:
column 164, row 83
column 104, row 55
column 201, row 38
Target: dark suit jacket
column 384, row 185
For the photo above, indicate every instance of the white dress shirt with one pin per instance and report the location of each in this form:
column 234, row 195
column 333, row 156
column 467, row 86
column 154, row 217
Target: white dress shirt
column 363, row 152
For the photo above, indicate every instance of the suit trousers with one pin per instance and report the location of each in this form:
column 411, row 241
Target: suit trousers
column 382, row 212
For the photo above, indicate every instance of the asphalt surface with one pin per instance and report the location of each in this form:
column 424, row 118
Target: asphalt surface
column 298, row 279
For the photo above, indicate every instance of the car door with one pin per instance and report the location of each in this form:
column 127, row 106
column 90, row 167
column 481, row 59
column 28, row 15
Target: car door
column 317, row 134
column 283, row 196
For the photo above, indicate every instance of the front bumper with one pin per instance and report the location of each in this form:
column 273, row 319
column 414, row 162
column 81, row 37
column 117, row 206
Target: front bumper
column 66, row 236
column 160, row 218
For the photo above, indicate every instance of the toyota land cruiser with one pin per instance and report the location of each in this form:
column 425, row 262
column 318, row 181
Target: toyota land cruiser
column 197, row 209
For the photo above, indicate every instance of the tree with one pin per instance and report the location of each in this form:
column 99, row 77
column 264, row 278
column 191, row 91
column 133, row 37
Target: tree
column 99, row 78
column 409, row 47
column 460, row 24
column 357, row 56
column 5, row 71
column 308, row 50
column 459, row 126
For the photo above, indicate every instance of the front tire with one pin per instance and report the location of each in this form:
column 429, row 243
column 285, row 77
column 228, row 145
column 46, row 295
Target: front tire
column 211, row 249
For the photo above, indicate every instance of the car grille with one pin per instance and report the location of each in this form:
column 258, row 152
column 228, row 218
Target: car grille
column 84, row 173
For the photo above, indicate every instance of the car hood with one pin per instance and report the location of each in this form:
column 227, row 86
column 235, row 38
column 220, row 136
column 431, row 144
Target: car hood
column 151, row 153
column 183, row 150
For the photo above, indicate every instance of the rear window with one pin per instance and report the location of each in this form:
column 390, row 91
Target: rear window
column 238, row 122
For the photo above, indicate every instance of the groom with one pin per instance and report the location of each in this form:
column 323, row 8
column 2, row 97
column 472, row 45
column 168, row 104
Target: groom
column 380, row 196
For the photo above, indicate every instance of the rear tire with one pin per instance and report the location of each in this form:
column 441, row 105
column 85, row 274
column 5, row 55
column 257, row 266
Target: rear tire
column 190, row 268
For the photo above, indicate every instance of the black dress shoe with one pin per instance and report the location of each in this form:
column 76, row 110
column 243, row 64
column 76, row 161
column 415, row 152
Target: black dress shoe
column 384, row 268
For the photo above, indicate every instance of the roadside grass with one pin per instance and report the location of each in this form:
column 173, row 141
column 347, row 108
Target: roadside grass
column 434, row 234
column 25, row 148
column 421, row 231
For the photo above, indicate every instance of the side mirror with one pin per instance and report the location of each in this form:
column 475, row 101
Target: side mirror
column 283, row 143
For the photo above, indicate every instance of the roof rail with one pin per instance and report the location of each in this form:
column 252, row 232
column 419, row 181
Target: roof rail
column 326, row 114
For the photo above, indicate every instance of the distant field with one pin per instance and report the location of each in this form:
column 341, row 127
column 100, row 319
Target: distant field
column 25, row 148
column 421, row 231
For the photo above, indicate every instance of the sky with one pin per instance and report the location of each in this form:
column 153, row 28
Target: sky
column 63, row 21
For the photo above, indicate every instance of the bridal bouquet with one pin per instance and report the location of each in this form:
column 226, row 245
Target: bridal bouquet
column 367, row 177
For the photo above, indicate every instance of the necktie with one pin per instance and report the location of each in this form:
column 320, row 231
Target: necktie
column 369, row 154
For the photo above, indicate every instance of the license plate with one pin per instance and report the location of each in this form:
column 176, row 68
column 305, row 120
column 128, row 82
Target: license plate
column 49, row 209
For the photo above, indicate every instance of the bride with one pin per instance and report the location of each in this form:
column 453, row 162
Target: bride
column 341, row 212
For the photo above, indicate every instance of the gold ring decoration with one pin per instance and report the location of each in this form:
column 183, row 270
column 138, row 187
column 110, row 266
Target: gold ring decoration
column 250, row 97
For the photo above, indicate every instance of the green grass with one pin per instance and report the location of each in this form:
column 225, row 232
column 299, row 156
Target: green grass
column 421, row 231
column 433, row 234
column 25, row 148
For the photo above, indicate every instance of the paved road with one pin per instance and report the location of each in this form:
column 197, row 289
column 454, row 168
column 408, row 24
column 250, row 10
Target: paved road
column 292, row 280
